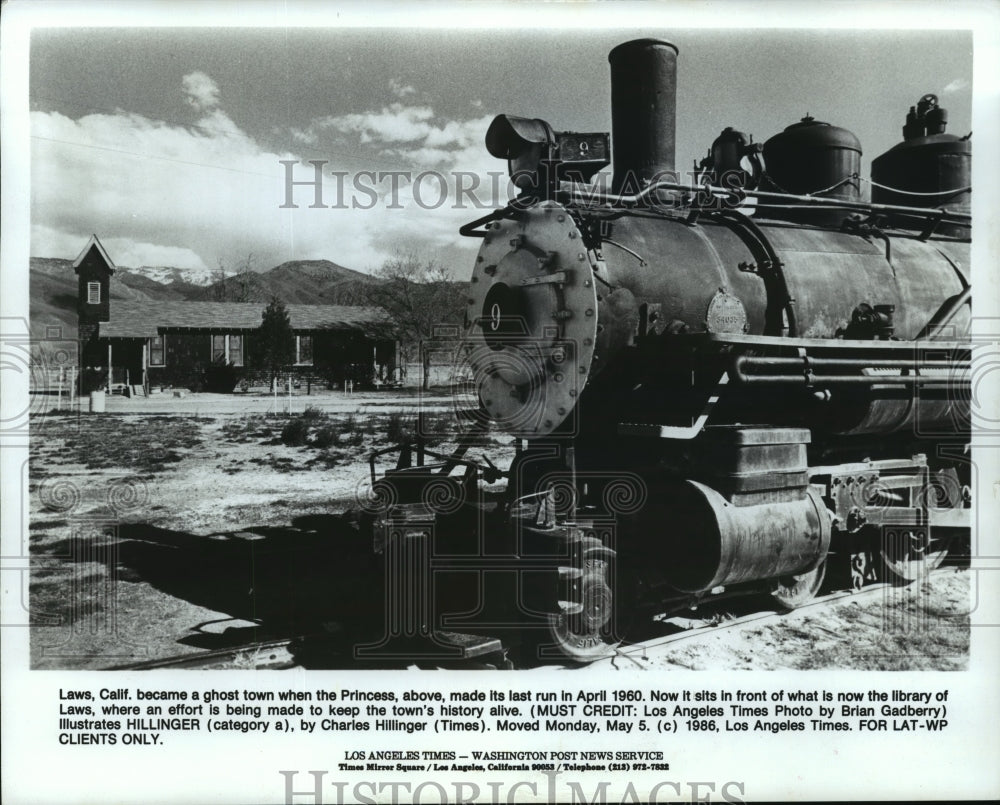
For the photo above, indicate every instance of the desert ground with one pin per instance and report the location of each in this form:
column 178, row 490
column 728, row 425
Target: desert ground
column 167, row 526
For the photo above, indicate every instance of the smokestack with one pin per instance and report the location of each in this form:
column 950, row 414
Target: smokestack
column 643, row 111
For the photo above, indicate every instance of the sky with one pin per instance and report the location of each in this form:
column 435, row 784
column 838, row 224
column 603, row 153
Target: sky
column 168, row 142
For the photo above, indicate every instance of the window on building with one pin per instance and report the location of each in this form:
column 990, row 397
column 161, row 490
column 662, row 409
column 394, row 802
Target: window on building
column 304, row 350
column 218, row 348
column 157, row 351
column 227, row 349
column 93, row 293
column 236, row 350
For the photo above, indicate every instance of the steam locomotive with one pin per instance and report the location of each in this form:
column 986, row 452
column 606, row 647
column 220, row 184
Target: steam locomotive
column 722, row 386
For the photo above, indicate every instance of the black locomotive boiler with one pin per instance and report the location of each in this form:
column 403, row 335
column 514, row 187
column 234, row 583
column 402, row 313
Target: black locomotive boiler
column 717, row 386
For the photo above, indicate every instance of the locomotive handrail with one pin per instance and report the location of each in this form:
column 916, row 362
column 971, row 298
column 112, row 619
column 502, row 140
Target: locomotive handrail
column 644, row 195
column 851, row 344
column 800, row 370
column 469, row 230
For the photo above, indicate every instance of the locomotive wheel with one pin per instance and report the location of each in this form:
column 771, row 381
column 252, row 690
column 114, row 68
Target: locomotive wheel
column 584, row 635
column 790, row 592
column 908, row 556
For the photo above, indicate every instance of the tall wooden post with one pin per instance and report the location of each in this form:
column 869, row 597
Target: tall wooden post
column 145, row 369
column 109, row 368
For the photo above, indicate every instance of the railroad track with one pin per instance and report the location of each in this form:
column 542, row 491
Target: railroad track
column 279, row 654
column 643, row 653
column 268, row 655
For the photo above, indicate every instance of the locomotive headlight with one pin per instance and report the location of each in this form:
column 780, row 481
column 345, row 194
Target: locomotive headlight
column 524, row 143
column 538, row 157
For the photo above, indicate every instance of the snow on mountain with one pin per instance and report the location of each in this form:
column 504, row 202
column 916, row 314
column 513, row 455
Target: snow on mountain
column 168, row 274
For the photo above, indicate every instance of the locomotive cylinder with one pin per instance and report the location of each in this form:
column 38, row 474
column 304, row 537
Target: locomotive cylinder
column 643, row 112
column 713, row 542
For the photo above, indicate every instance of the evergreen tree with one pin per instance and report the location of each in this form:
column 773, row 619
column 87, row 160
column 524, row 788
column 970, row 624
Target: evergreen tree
column 275, row 339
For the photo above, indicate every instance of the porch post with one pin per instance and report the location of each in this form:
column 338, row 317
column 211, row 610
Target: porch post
column 109, row 367
column 145, row 368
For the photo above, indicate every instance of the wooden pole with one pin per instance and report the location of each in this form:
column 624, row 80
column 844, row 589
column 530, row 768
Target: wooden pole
column 109, row 368
column 62, row 377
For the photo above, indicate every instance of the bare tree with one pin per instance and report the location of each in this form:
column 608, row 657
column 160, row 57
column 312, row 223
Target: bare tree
column 419, row 296
column 219, row 282
column 234, row 288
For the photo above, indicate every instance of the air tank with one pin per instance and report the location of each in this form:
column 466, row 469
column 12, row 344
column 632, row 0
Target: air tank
column 929, row 168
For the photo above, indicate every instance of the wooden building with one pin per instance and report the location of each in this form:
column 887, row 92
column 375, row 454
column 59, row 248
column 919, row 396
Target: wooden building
column 135, row 345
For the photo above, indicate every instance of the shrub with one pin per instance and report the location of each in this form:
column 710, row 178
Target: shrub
column 221, row 377
column 295, row 432
column 396, row 429
column 313, row 414
column 326, row 436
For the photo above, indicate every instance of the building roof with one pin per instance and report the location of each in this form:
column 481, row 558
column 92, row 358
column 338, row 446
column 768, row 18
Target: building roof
column 146, row 319
column 86, row 249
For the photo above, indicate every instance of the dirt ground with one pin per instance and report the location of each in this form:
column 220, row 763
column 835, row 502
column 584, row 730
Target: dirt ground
column 158, row 534
column 924, row 626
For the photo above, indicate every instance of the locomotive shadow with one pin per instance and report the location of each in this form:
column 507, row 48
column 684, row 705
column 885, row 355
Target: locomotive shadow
column 315, row 580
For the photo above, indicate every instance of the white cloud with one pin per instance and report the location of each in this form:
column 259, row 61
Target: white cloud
column 956, row 86
column 202, row 91
column 160, row 193
column 401, row 90
column 395, row 123
column 133, row 254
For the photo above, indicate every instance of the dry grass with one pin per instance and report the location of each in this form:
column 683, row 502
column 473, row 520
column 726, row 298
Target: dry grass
column 143, row 444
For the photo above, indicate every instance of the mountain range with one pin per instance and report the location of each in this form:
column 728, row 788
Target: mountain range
column 53, row 288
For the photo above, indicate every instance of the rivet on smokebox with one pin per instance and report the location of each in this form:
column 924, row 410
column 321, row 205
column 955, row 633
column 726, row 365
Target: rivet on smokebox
column 562, row 412
column 586, row 283
column 581, row 256
column 561, row 218
column 589, row 312
column 572, row 392
column 572, row 235
column 479, row 258
column 583, row 370
column 558, row 377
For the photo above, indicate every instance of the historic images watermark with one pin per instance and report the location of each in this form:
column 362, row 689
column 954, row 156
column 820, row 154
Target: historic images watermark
column 469, row 190
column 313, row 787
